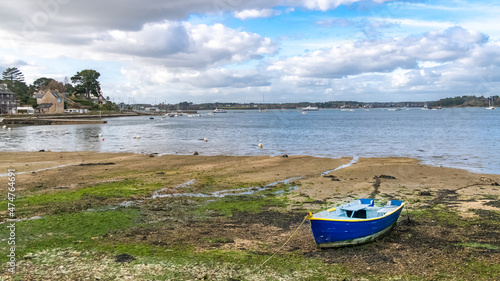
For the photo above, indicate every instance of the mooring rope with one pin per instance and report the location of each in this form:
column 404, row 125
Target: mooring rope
column 290, row 238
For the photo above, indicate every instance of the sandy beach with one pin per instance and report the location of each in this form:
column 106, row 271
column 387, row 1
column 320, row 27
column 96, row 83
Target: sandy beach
column 449, row 228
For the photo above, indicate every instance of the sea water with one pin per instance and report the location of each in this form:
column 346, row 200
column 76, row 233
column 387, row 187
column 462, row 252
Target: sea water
column 466, row 138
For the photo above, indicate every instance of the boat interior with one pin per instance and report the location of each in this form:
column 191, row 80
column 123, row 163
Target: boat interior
column 358, row 209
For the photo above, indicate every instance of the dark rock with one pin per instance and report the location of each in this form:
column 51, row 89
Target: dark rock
column 196, row 153
column 495, row 184
column 386, row 177
column 284, row 156
column 41, row 150
column 97, row 164
column 124, row 258
column 425, row 193
column 333, row 178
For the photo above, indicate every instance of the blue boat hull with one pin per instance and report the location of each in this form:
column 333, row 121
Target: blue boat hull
column 338, row 233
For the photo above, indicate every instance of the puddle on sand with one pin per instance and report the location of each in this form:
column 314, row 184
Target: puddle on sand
column 25, row 219
column 223, row 193
column 157, row 194
column 217, row 194
column 353, row 161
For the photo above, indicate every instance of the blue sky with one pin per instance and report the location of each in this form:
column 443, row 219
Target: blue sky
column 239, row 51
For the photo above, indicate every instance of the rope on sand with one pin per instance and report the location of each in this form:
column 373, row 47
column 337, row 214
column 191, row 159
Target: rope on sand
column 305, row 218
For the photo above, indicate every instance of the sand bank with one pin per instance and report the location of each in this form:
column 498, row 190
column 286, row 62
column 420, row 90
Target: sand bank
column 449, row 227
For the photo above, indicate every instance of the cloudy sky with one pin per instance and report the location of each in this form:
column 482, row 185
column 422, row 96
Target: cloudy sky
column 241, row 51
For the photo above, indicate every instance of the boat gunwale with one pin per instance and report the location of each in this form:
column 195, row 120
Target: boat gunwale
column 359, row 220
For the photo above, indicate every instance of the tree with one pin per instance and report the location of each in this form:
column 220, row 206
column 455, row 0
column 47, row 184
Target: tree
column 14, row 79
column 13, row 74
column 39, row 83
column 86, row 82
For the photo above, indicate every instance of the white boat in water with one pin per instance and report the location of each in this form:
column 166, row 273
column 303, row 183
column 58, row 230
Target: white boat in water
column 310, row 108
column 219, row 110
column 490, row 105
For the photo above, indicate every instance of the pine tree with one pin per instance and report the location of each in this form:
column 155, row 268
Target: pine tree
column 12, row 74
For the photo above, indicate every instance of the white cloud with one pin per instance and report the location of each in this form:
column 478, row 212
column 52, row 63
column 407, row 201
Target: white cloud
column 325, row 5
column 254, row 13
column 383, row 55
column 183, row 45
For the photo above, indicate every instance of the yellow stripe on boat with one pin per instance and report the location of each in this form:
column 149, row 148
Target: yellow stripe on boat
column 386, row 214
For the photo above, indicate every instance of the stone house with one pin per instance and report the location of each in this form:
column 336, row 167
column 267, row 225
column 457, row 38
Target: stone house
column 49, row 102
column 8, row 100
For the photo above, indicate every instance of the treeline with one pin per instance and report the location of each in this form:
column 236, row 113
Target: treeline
column 84, row 85
column 468, row 101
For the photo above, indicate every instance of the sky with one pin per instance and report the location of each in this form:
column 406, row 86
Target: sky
column 280, row 51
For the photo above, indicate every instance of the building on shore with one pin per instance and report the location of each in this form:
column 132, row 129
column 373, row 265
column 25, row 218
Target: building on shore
column 49, row 102
column 76, row 110
column 8, row 100
column 24, row 110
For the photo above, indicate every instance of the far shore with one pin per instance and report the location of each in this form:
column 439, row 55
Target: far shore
column 449, row 226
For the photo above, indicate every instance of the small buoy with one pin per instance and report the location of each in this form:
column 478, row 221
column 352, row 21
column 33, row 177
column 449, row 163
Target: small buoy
column 100, row 135
column 66, row 132
column 137, row 137
column 205, row 139
column 4, row 126
column 103, row 139
column 261, row 145
column 9, row 128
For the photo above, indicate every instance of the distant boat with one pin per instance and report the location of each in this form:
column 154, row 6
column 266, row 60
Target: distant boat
column 490, row 105
column 219, row 110
column 357, row 222
column 425, row 107
column 310, row 108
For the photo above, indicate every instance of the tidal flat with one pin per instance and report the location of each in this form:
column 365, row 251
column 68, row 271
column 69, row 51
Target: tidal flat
column 121, row 216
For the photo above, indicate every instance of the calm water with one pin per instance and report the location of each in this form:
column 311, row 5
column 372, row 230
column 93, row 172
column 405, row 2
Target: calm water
column 461, row 138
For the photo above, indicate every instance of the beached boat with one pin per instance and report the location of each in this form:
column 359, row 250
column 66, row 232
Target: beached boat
column 354, row 223
column 219, row 110
column 310, row 108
